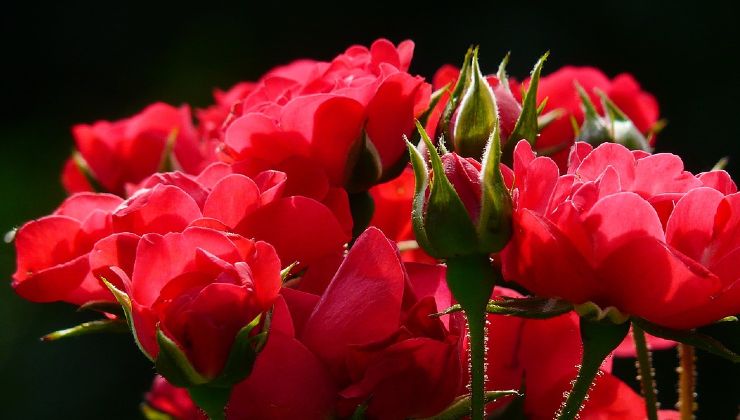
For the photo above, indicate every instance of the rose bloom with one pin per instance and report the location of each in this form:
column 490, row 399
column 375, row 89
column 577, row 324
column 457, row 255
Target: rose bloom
column 61, row 257
column 626, row 229
column 358, row 106
column 127, row 151
column 368, row 339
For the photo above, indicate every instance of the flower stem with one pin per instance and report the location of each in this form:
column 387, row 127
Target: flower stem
column 599, row 339
column 471, row 280
column 687, row 381
column 646, row 374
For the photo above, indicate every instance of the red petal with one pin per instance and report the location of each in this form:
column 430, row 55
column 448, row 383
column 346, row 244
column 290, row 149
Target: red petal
column 232, row 199
column 164, row 208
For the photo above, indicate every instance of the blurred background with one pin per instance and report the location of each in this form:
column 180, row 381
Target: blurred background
column 70, row 63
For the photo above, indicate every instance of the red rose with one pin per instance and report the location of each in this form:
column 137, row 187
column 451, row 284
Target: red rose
column 608, row 232
column 372, row 329
column 560, row 91
column 55, row 262
column 127, row 151
column 199, row 287
column 356, row 107
column 52, row 252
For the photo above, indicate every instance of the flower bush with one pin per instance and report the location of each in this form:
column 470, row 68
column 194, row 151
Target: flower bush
column 335, row 240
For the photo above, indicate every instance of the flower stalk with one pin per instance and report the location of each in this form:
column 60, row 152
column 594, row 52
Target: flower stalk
column 645, row 373
column 686, row 381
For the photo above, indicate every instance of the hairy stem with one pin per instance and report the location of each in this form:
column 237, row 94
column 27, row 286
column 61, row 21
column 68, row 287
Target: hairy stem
column 599, row 338
column 645, row 373
column 687, row 381
column 471, row 280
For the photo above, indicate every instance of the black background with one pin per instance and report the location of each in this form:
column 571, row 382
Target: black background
column 70, row 63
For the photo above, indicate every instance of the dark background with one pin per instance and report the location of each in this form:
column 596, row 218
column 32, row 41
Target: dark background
column 70, row 63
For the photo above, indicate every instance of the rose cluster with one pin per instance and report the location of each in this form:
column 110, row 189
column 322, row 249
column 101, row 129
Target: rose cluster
column 276, row 256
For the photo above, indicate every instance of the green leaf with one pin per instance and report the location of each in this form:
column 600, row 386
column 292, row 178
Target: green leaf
column 125, row 303
column 696, row 338
column 362, row 207
column 174, row 365
column 243, row 352
column 476, row 116
column 547, row 119
column 443, row 128
column 494, row 223
column 285, row 272
column 92, row 327
column 527, row 307
column 446, row 221
column 527, row 126
column 460, row 408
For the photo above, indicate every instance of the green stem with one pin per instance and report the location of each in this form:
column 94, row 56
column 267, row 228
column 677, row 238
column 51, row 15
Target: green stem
column 471, row 280
column 599, row 339
column 212, row 400
column 687, row 381
column 646, row 374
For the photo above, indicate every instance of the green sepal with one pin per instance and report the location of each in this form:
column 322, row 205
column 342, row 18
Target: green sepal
column 91, row 327
column 721, row 164
column 590, row 310
column 360, row 412
column 212, row 400
column 244, row 352
column 443, row 128
column 103, row 306
column 421, row 182
column 365, row 168
column 168, row 162
column 501, row 75
column 151, row 413
column 494, row 224
column 477, row 115
column 547, row 119
column 173, row 364
column 362, row 207
column 594, row 129
column 285, row 272
column 527, row 125
column 433, row 102
column 527, row 307
column 697, row 338
column 9, row 236
column 621, row 127
column 125, row 303
column 83, row 167
column 460, row 408
column 446, row 222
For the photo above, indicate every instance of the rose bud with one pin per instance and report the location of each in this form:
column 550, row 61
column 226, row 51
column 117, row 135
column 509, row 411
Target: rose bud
column 465, row 208
column 478, row 101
